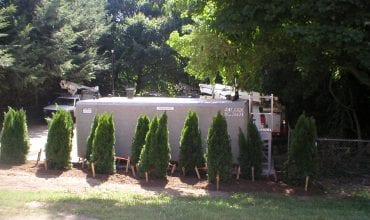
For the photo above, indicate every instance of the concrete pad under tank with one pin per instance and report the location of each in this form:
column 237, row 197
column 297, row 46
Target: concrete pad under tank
column 126, row 112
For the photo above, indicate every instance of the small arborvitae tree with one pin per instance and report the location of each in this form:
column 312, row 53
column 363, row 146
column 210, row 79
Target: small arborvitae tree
column 191, row 153
column 250, row 149
column 302, row 154
column 219, row 157
column 14, row 137
column 138, row 141
column 103, row 145
column 162, row 148
column 59, row 142
column 147, row 156
column 90, row 138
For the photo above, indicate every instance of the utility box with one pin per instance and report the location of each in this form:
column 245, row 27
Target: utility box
column 126, row 111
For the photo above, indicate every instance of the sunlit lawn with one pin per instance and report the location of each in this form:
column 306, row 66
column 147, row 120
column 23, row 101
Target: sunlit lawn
column 120, row 205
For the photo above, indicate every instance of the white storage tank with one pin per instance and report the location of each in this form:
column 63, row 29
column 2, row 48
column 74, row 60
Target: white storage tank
column 126, row 112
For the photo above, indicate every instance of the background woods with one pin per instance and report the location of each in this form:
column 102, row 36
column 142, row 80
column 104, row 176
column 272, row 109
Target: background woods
column 313, row 55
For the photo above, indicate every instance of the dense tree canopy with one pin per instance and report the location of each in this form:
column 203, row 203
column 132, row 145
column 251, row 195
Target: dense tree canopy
column 313, row 55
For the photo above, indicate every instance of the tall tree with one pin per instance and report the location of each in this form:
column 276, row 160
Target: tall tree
column 52, row 39
column 141, row 57
column 304, row 52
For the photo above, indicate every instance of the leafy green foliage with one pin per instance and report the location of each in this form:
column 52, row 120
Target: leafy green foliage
column 305, row 52
column 302, row 154
column 147, row 155
column 138, row 141
column 250, row 149
column 142, row 59
column 90, row 138
column 103, row 149
column 14, row 143
column 59, row 142
column 156, row 152
column 163, row 150
column 50, row 40
column 219, row 157
column 191, row 153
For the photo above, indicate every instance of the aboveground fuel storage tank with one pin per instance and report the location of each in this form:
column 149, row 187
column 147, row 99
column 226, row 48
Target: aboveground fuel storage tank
column 126, row 112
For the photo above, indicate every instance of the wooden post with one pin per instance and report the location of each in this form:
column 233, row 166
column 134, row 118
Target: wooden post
column 133, row 171
column 306, row 185
column 127, row 164
column 196, row 170
column 252, row 173
column 173, row 169
column 217, row 181
column 93, row 169
column 46, row 164
column 183, row 171
column 238, row 172
column 146, row 176
column 275, row 176
column 38, row 156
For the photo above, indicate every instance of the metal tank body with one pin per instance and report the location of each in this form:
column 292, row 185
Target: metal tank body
column 126, row 112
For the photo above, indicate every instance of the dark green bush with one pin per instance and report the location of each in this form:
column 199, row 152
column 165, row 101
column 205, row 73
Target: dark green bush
column 162, row 148
column 191, row 153
column 59, row 142
column 156, row 151
column 250, row 149
column 103, row 150
column 14, row 137
column 138, row 141
column 147, row 155
column 302, row 153
column 219, row 157
column 90, row 138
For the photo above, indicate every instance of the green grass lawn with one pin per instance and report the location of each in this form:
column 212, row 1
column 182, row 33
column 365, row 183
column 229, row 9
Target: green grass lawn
column 120, row 205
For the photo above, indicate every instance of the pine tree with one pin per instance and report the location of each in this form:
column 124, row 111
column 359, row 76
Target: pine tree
column 250, row 149
column 147, row 155
column 59, row 142
column 191, row 153
column 162, row 150
column 219, row 157
column 138, row 141
column 302, row 154
column 90, row 138
column 103, row 145
column 14, row 137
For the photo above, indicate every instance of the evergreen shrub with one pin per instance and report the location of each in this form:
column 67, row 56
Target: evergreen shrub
column 147, row 155
column 162, row 151
column 156, row 152
column 302, row 152
column 250, row 149
column 218, row 156
column 191, row 153
column 103, row 150
column 90, row 138
column 14, row 137
column 142, row 128
column 59, row 141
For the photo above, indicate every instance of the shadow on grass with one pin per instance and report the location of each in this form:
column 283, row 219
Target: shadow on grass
column 41, row 172
column 237, row 206
column 143, row 207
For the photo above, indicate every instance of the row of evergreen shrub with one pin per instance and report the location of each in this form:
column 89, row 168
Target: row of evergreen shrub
column 150, row 148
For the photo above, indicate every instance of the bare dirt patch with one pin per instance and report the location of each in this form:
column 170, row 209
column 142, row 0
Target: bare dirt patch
column 34, row 177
